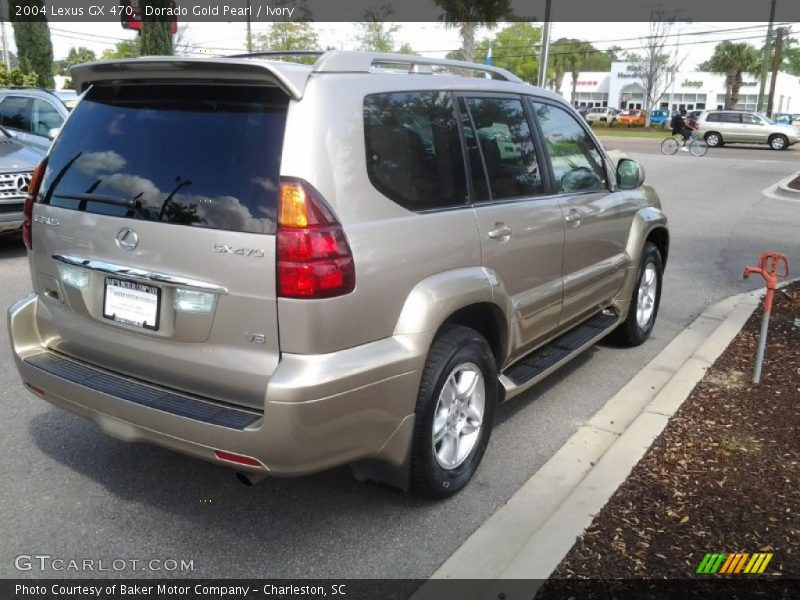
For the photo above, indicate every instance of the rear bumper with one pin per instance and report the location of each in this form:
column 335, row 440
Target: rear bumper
column 320, row 411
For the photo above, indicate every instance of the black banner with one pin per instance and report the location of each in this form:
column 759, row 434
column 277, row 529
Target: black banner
column 266, row 11
column 706, row 588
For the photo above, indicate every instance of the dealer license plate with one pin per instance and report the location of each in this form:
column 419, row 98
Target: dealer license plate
column 132, row 303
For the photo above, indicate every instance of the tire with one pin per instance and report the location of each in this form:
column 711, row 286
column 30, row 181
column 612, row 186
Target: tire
column 638, row 324
column 778, row 142
column 713, row 139
column 669, row 146
column 698, row 148
column 441, row 468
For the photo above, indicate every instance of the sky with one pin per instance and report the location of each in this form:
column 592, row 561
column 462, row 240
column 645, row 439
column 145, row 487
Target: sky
column 694, row 42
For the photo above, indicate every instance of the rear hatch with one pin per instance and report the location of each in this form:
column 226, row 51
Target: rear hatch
column 154, row 234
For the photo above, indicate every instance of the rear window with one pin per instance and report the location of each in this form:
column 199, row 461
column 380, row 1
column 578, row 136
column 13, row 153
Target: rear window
column 188, row 154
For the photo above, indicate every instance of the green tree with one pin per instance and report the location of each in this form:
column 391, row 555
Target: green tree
column 405, row 48
column 790, row 55
column 515, row 48
column 123, row 49
column 468, row 15
column 77, row 56
column 376, row 36
column 34, row 48
column 732, row 60
column 288, row 36
column 791, row 58
column 17, row 77
column 156, row 35
column 573, row 56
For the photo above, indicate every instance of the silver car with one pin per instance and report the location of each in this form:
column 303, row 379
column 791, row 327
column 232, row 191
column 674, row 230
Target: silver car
column 283, row 268
column 32, row 115
column 17, row 163
column 719, row 127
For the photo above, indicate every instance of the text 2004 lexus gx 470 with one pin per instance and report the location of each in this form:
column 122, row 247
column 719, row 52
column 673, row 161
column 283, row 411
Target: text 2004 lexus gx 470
column 284, row 268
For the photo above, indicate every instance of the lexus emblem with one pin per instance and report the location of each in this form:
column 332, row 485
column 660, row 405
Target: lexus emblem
column 23, row 182
column 127, row 239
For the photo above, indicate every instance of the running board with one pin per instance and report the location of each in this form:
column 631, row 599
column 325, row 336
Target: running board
column 537, row 365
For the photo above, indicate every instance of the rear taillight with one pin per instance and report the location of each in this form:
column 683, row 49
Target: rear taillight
column 313, row 257
column 27, row 211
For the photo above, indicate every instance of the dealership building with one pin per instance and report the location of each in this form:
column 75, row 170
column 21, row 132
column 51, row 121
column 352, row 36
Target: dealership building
column 693, row 90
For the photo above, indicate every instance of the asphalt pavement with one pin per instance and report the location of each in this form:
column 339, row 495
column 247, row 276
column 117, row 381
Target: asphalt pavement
column 71, row 493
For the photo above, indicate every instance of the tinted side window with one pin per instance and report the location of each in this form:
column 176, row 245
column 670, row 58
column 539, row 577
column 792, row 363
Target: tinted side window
column 14, row 113
column 413, row 149
column 751, row 120
column 507, row 147
column 577, row 164
column 44, row 117
column 724, row 118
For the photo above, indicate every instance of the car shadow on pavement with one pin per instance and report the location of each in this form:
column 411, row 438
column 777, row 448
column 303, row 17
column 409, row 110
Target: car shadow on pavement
column 11, row 246
column 192, row 506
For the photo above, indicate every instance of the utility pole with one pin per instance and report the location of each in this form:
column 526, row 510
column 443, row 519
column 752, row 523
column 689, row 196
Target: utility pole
column 6, row 55
column 249, row 33
column 765, row 61
column 5, row 11
column 776, row 64
column 545, row 46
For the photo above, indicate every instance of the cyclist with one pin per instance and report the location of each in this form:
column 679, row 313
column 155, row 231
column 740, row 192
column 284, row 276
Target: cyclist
column 679, row 126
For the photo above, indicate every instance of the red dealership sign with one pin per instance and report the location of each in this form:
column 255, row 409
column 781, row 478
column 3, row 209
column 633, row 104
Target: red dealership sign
column 132, row 15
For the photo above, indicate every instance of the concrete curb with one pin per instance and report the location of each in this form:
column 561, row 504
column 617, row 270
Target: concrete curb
column 529, row 536
column 782, row 191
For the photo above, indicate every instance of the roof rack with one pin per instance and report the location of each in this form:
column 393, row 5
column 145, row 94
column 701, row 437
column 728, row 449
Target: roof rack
column 339, row 61
column 270, row 53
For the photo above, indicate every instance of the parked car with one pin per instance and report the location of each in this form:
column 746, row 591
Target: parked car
column 603, row 114
column 632, row 117
column 660, row 116
column 297, row 267
column 583, row 111
column 31, row 114
column 786, row 119
column 718, row 127
column 17, row 163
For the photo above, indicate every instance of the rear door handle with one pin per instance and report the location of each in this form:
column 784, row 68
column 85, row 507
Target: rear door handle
column 501, row 231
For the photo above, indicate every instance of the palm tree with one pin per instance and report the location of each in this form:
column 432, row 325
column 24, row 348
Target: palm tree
column 732, row 60
column 468, row 15
column 570, row 56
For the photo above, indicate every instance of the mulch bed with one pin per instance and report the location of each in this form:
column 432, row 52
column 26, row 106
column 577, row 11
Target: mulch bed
column 722, row 477
column 795, row 183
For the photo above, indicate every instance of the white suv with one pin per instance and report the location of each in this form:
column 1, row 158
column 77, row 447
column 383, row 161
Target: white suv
column 605, row 114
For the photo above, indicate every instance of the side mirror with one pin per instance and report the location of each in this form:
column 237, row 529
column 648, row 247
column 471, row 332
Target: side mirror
column 630, row 174
column 53, row 132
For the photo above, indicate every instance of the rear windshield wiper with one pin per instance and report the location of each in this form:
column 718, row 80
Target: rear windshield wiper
column 85, row 198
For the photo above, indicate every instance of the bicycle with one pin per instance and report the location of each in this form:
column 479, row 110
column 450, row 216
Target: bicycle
column 697, row 147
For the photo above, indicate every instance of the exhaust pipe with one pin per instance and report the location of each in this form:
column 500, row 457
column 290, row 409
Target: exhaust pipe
column 250, row 479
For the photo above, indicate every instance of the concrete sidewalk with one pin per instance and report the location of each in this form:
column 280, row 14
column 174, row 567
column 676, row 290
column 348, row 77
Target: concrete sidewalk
column 528, row 537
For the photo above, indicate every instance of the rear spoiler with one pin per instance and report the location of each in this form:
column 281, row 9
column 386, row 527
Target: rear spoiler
column 291, row 78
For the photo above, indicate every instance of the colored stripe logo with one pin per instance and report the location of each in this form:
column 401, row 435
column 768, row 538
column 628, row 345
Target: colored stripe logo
column 734, row 564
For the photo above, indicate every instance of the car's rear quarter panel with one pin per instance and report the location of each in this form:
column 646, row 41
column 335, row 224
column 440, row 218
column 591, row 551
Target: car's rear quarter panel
column 393, row 248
